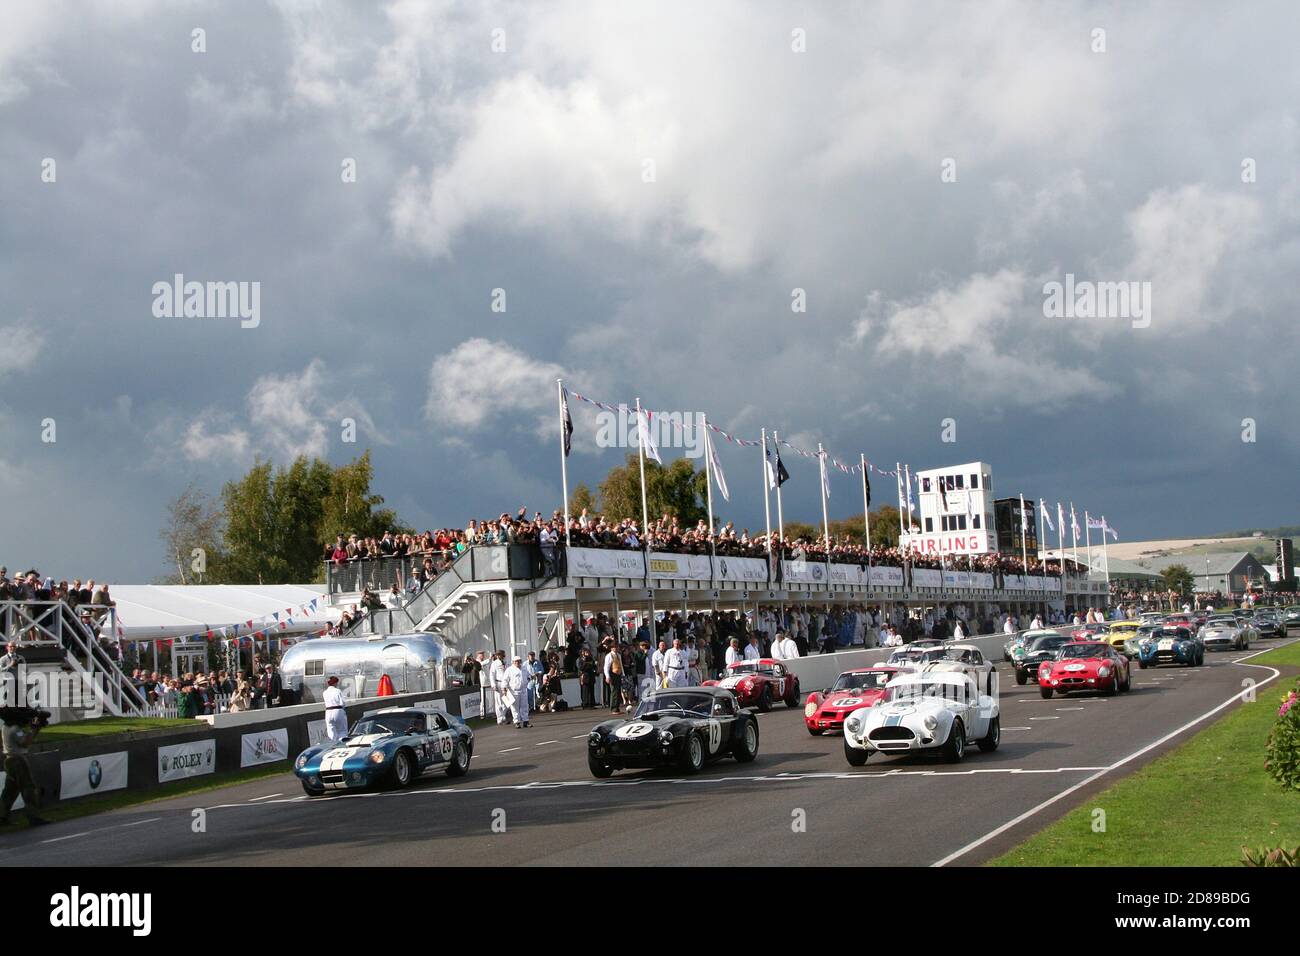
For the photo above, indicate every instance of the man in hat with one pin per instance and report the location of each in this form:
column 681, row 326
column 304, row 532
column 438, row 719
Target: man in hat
column 336, row 714
column 515, row 682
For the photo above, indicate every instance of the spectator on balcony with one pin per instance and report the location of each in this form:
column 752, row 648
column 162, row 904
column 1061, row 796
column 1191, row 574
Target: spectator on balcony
column 395, row 597
column 10, row 660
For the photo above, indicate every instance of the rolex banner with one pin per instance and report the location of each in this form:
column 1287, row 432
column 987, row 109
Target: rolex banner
column 191, row 759
column 87, row 775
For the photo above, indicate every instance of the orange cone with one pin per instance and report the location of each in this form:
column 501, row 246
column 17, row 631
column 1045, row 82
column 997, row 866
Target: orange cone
column 386, row 687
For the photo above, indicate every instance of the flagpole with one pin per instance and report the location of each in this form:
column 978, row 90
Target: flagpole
column 1087, row 538
column 767, row 498
column 708, row 483
column 866, row 507
column 564, row 458
column 1105, row 556
column 640, row 447
column 898, row 483
column 1074, row 534
column 826, row 524
column 1060, row 520
column 780, row 515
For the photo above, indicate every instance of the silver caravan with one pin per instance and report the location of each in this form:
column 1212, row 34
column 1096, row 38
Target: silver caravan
column 413, row 662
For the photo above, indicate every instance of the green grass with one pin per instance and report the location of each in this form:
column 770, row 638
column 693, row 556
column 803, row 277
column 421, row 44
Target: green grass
column 1195, row 806
column 128, row 798
column 76, row 730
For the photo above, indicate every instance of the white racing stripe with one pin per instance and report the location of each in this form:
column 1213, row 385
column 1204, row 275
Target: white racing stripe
column 1119, row 763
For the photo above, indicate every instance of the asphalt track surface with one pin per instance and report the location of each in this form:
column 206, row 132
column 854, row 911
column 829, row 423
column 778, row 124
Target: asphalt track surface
column 534, row 782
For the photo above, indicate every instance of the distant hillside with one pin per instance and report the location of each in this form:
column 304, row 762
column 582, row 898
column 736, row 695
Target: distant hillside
column 1261, row 548
column 1288, row 531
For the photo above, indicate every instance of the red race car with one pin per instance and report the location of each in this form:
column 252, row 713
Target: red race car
column 760, row 683
column 1087, row 632
column 1084, row 665
column 853, row 690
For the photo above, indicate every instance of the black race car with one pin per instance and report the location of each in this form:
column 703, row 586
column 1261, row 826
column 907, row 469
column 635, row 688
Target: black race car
column 682, row 727
column 1040, row 649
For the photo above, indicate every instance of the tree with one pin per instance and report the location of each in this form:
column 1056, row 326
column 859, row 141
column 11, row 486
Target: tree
column 349, row 506
column 1178, row 579
column 582, row 497
column 884, row 527
column 676, row 489
column 193, row 521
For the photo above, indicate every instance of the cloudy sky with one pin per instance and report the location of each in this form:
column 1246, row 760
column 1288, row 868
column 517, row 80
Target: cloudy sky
column 648, row 184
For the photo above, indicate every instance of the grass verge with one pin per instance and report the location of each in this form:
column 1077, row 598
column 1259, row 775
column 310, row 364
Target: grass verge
column 1195, row 806
column 76, row 730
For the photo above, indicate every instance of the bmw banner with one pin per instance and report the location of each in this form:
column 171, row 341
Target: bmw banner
column 87, row 775
column 265, row 746
column 190, row 759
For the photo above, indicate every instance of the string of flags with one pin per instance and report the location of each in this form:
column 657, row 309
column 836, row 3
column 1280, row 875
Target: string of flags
column 733, row 439
column 251, row 629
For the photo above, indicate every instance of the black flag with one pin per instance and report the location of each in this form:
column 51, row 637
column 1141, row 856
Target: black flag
column 782, row 476
column 866, row 484
column 568, row 421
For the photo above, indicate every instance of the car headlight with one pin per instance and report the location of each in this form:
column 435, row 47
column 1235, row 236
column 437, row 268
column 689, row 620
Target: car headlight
column 376, row 756
column 665, row 736
column 854, row 724
column 594, row 737
column 300, row 762
column 930, row 723
column 1103, row 671
column 810, row 710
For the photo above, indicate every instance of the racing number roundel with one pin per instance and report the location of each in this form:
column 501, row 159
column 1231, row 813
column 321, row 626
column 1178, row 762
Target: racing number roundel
column 445, row 745
column 634, row 730
column 715, row 736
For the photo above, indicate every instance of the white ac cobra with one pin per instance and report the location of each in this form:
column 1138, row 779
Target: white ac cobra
column 936, row 710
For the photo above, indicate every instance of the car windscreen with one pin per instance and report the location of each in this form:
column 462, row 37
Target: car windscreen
column 700, row 705
column 1047, row 643
column 1221, row 622
column 872, row 680
column 387, row 724
column 1082, row 650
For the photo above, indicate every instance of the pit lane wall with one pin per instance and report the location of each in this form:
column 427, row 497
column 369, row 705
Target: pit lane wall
column 153, row 759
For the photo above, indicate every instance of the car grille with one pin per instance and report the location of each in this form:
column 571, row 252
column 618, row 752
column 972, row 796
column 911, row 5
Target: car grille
column 331, row 776
column 1073, row 680
column 891, row 733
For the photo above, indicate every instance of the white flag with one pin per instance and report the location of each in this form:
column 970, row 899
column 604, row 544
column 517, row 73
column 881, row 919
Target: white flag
column 1024, row 515
column 1047, row 517
column 643, row 432
column 826, row 479
column 718, row 476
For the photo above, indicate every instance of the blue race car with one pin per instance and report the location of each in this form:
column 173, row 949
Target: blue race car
column 388, row 748
column 1171, row 645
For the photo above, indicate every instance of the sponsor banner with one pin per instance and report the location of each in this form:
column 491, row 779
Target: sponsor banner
column 848, row 574
column 956, row 579
column 470, row 706
column 265, row 746
column 1035, row 582
column 193, row 758
column 316, row 733
column 742, row 569
column 87, row 775
column 813, row 572
column 980, row 579
column 927, row 578
column 603, row 563
column 1053, row 584
column 889, row 577
column 1014, row 582
column 693, row 567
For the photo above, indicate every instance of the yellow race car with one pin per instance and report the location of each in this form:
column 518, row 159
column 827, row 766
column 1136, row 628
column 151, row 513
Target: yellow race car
column 1120, row 633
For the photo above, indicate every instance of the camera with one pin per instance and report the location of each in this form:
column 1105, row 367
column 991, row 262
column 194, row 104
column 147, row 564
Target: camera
column 19, row 716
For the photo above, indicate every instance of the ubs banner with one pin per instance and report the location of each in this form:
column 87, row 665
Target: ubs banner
column 87, row 775
column 266, row 746
column 190, row 759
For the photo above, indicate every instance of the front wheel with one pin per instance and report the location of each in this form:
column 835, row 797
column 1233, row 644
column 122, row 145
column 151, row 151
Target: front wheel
column 403, row 770
column 813, row 731
column 989, row 742
column 1142, row 664
column 954, row 747
column 597, row 768
column 312, row 791
column 1021, row 677
column 458, row 766
column 693, row 754
column 765, row 700
column 747, row 749
column 793, row 700
column 854, row 756
column 1045, row 692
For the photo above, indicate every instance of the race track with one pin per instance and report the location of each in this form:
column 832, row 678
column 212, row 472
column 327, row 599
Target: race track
column 894, row 811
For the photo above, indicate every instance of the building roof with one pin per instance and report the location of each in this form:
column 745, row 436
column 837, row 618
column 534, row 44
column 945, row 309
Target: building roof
column 1221, row 563
column 159, row 611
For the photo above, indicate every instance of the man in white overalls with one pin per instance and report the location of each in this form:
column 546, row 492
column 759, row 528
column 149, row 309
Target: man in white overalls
column 677, row 664
column 515, row 683
column 336, row 715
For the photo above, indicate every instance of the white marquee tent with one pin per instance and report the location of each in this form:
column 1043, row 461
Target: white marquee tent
column 153, row 612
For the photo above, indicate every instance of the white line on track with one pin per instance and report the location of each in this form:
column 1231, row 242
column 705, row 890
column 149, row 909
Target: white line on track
column 70, row 836
column 1051, row 717
column 1119, row 763
column 136, row 823
column 1069, row 708
column 265, row 797
column 545, row 742
column 579, row 736
column 1017, row 728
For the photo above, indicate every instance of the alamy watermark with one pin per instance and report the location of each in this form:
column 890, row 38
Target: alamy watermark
column 683, row 430
column 1098, row 300
column 179, row 299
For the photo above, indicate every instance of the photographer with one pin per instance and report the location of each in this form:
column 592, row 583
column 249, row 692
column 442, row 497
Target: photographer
column 21, row 725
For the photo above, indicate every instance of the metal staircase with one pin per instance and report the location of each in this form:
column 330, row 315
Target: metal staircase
column 54, row 625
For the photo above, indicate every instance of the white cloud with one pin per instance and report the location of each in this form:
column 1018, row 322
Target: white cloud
column 480, row 380
column 202, row 444
column 22, row 347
